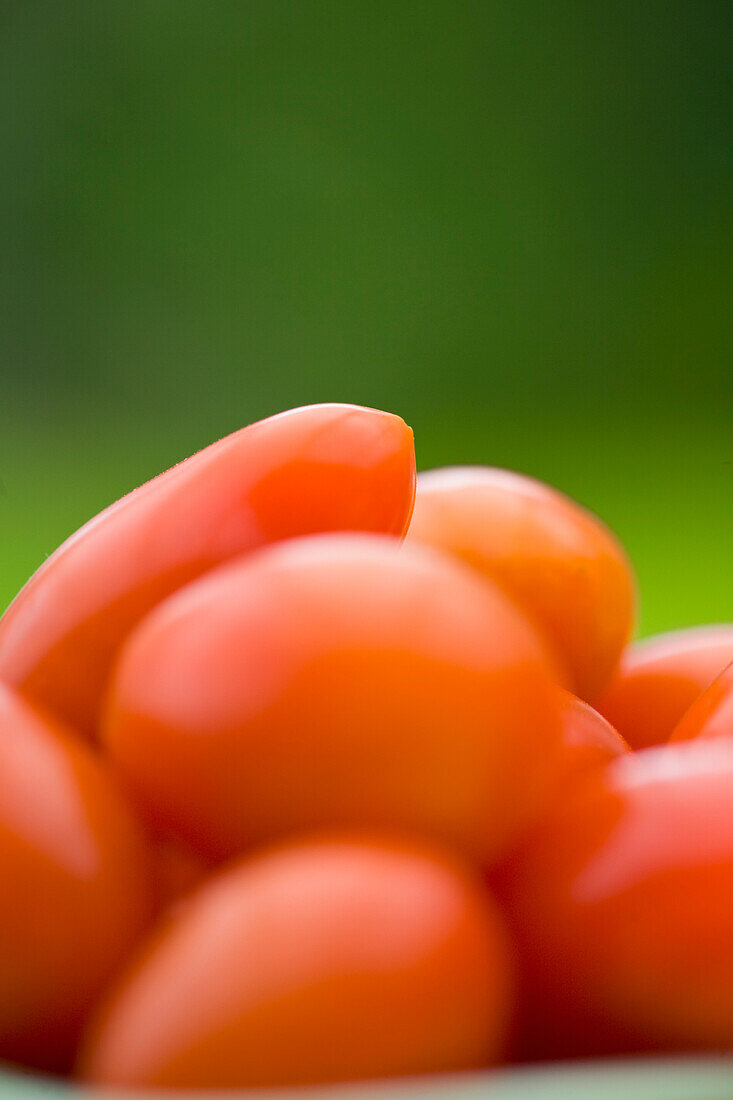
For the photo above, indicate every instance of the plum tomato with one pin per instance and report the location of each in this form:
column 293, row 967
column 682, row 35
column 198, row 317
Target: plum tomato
column 588, row 740
column 659, row 679
column 75, row 883
column 558, row 561
column 176, row 871
column 320, row 468
column 711, row 715
column 330, row 959
column 621, row 902
column 336, row 680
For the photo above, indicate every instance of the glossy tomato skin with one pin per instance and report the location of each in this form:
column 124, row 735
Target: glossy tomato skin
column 335, row 681
column 621, row 903
column 75, row 884
column 659, row 679
column 329, row 959
column 560, row 564
column 319, row 468
column 588, row 740
column 711, row 715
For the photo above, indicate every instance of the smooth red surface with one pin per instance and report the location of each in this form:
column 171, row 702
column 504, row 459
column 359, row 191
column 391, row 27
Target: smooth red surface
column 323, row 961
column 74, row 881
column 621, row 903
column 561, row 565
column 711, row 715
column 336, row 681
column 661, row 677
column 588, row 740
column 176, row 871
column 320, row 468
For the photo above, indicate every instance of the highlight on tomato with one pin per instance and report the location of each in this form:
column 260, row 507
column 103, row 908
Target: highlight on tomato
column 339, row 680
column 621, row 905
column 319, row 468
column 661, row 677
column 75, row 884
column 329, row 959
column 348, row 805
column 711, row 715
column 588, row 740
column 559, row 562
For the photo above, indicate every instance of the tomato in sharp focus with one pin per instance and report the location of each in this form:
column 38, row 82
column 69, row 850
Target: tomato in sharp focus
column 336, row 681
column 559, row 562
column 588, row 740
column 621, row 903
column 320, row 468
column 659, row 679
column 75, row 884
column 327, row 960
column 711, row 715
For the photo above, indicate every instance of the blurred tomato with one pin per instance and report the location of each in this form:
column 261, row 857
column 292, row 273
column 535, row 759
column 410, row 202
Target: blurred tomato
column 660, row 678
column 711, row 715
column 327, row 960
column 555, row 559
column 75, row 884
column 320, row 468
column 622, row 907
column 176, row 871
column 336, row 680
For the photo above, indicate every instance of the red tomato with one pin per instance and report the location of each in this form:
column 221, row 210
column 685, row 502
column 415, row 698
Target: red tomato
column 335, row 681
column 559, row 562
column 321, row 468
column 327, row 960
column 711, row 715
column 588, row 739
column 176, row 871
column 660, row 678
column 622, row 905
column 75, row 884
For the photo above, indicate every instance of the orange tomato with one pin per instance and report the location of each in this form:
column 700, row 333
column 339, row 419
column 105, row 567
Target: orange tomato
column 75, row 884
column 711, row 715
column 321, row 468
column 622, row 907
column 327, row 960
column 335, row 681
column 560, row 564
column 660, row 678
column 588, row 740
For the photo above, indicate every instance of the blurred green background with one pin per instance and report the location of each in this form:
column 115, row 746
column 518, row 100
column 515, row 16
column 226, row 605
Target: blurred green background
column 509, row 222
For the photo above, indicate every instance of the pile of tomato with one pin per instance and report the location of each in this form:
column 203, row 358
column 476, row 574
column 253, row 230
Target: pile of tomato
column 314, row 771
